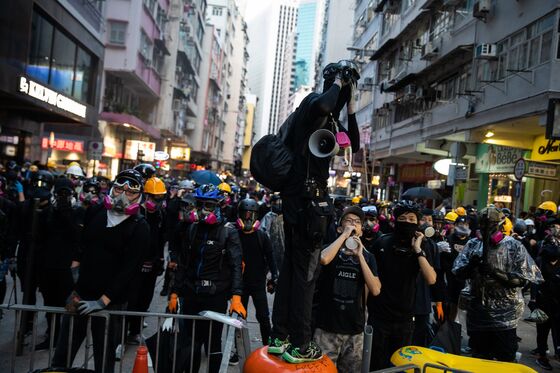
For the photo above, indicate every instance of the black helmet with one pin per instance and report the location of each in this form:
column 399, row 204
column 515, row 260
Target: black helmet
column 438, row 216
column 404, row 206
column 130, row 177
column 42, row 179
column 506, row 212
column 248, row 204
column 146, row 170
column 90, row 183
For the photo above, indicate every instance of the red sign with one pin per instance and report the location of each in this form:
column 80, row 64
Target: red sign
column 64, row 145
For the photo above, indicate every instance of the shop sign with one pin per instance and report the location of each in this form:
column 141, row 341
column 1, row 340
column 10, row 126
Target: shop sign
column 460, row 173
column 416, row 173
column 180, row 153
column 95, row 150
column 497, row 159
column 161, row 156
column 545, row 150
column 63, row 145
column 109, row 147
column 541, row 170
column 48, row 96
column 503, row 199
column 434, row 184
column 134, row 147
column 519, row 169
column 14, row 140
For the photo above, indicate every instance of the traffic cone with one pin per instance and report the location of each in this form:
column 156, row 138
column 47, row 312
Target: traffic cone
column 141, row 361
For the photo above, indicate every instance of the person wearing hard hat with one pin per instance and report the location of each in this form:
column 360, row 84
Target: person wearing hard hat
column 76, row 175
column 449, row 226
column 356, row 200
column 546, row 210
column 228, row 209
column 461, row 211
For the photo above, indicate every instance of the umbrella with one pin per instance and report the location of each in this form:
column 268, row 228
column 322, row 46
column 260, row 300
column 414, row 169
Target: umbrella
column 206, row 177
column 421, row 192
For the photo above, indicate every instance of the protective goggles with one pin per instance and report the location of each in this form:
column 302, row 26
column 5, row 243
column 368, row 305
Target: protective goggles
column 128, row 185
column 207, row 205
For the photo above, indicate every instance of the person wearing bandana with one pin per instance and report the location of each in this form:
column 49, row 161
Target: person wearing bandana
column 400, row 257
column 114, row 242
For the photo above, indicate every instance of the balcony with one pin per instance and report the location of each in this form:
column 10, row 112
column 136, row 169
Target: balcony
column 90, row 10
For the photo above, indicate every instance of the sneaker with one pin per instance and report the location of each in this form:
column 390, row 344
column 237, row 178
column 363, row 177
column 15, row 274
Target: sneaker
column 466, row 350
column 277, row 346
column 543, row 363
column 295, row 355
column 234, row 359
column 119, row 352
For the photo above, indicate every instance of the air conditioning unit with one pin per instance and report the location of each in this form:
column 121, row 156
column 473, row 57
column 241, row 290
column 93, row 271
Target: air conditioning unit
column 430, row 51
column 482, row 8
column 410, row 90
column 486, row 51
column 368, row 81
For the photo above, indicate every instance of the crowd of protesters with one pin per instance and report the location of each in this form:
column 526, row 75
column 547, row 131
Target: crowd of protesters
column 90, row 244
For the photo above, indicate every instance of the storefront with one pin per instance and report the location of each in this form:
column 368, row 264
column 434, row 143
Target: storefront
column 49, row 81
column 543, row 183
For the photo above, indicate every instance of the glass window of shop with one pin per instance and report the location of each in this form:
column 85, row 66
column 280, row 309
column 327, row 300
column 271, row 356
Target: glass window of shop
column 55, row 59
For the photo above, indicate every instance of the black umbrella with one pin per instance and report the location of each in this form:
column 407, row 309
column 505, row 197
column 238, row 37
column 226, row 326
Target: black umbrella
column 421, row 192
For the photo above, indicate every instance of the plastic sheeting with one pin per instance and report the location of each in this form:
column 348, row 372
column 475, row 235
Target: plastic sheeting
column 491, row 305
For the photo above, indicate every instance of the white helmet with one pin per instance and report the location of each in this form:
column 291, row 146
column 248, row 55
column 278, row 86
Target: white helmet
column 187, row 184
column 529, row 222
column 75, row 171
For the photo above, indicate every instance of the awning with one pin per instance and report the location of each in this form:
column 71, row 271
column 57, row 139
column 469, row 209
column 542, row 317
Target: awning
column 160, row 44
column 132, row 122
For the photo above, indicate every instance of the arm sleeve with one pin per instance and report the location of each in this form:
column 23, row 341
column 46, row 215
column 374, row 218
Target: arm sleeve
column 137, row 247
column 236, row 257
column 321, row 105
column 268, row 253
column 353, row 133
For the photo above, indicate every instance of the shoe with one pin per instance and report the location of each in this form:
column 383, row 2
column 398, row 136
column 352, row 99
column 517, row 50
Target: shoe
column 164, row 292
column 295, row 355
column 234, row 360
column 543, row 363
column 119, row 352
column 43, row 345
column 277, row 346
column 466, row 350
column 536, row 352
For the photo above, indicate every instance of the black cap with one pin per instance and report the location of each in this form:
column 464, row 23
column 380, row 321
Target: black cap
column 355, row 210
column 427, row 212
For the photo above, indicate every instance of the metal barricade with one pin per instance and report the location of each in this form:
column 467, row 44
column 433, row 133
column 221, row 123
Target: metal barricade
column 124, row 364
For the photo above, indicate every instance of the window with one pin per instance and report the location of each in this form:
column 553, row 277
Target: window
column 145, row 46
column 117, row 32
column 58, row 61
column 217, row 10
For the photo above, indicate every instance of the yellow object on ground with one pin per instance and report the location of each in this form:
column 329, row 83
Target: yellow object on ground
column 420, row 356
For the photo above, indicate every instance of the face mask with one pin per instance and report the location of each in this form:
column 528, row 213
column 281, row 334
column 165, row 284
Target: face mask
column 89, row 198
column 248, row 226
column 370, row 228
column 209, row 217
column 462, row 231
column 193, row 216
column 404, row 230
column 496, row 237
column 121, row 205
column 227, row 201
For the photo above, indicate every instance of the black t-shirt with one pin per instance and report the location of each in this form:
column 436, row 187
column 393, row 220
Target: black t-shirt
column 257, row 256
column 398, row 272
column 341, row 294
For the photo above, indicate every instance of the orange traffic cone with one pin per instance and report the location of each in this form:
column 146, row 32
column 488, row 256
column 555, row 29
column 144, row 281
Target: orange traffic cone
column 141, row 361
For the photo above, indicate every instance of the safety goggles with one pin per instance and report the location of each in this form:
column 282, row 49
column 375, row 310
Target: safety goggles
column 207, row 205
column 128, row 184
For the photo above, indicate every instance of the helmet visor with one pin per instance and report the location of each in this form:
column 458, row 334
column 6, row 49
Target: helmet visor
column 126, row 183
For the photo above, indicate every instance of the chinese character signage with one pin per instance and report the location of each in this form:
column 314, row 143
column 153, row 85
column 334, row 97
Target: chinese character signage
column 140, row 150
column 63, row 145
column 180, row 153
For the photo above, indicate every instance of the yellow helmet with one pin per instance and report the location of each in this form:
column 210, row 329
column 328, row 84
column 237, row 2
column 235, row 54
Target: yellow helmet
column 549, row 206
column 451, row 216
column 356, row 200
column 224, row 187
column 51, row 164
column 507, row 227
column 154, row 185
column 461, row 211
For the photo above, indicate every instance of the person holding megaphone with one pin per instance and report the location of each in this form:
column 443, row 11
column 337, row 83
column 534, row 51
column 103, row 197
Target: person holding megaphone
column 316, row 137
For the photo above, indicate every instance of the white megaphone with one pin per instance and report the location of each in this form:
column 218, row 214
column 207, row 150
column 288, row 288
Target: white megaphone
column 322, row 144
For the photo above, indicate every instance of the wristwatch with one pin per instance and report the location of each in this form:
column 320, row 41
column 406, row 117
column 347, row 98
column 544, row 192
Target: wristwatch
column 421, row 253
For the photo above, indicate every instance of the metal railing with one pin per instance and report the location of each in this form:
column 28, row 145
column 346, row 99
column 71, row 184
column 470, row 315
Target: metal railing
column 239, row 332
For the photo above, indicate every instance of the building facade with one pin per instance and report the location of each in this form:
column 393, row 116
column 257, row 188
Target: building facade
column 469, row 81
column 51, row 60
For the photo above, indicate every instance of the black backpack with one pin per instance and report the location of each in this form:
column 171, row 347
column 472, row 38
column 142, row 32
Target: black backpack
column 272, row 159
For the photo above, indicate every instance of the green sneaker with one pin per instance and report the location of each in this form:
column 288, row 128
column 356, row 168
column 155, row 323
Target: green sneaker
column 294, row 355
column 277, row 346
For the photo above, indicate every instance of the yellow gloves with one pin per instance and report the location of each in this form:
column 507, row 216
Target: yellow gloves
column 237, row 306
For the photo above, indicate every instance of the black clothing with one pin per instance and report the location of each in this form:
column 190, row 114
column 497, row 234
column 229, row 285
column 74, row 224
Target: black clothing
column 388, row 337
column 422, row 335
column 341, row 294
column 110, row 257
column 260, row 301
column 291, row 315
column 8, row 228
column 172, row 216
column 454, row 285
column 494, row 344
column 97, row 335
column 192, row 305
column 258, row 258
column 397, row 272
column 210, row 261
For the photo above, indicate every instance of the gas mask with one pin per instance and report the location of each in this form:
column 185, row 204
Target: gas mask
column 370, row 228
column 89, row 198
column 121, row 204
column 462, row 231
column 208, row 213
column 248, row 224
column 154, row 204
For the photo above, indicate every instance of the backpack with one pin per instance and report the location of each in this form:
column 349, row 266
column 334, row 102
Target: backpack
column 272, row 159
